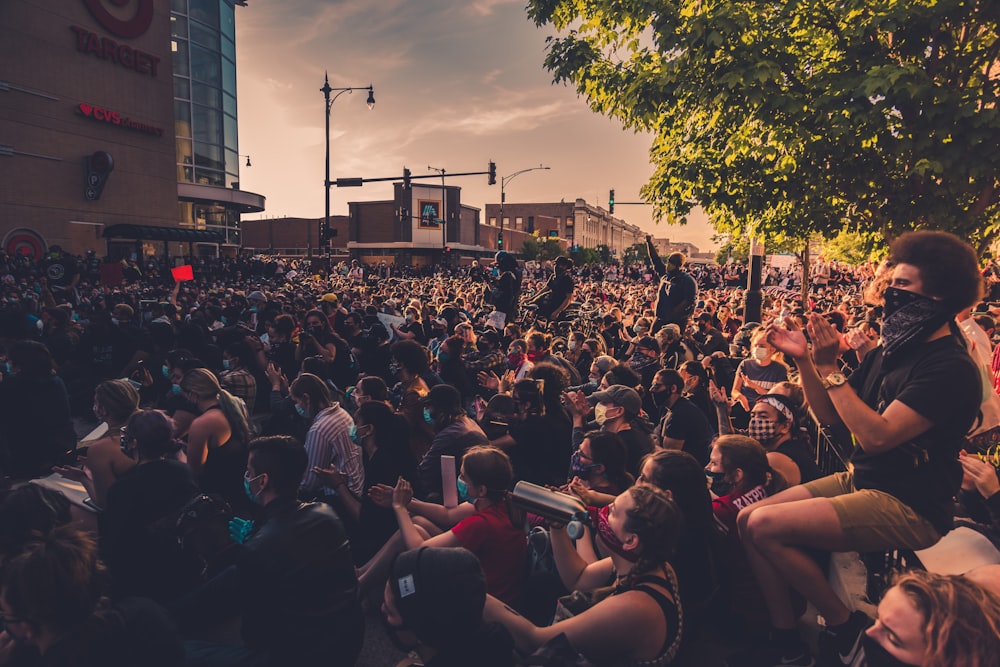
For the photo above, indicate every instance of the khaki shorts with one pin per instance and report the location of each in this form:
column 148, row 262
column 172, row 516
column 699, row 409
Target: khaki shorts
column 873, row 520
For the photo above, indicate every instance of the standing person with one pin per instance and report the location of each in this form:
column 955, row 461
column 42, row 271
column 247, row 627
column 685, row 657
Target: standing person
column 217, row 439
column 505, row 291
column 908, row 407
column 677, row 292
column 293, row 584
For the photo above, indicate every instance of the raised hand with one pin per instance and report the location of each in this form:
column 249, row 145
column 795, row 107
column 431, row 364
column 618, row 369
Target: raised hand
column 825, row 339
column 789, row 339
column 381, row 495
column 402, row 494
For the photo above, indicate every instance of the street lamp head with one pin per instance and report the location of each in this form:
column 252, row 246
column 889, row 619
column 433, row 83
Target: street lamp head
column 371, row 97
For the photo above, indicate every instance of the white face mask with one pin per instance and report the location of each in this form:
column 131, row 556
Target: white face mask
column 600, row 413
column 760, row 353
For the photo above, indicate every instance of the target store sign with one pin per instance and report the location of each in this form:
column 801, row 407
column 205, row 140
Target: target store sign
column 126, row 19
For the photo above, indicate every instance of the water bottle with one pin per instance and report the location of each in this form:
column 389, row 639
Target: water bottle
column 553, row 506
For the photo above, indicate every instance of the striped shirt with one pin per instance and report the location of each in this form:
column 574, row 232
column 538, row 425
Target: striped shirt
column 329, row 443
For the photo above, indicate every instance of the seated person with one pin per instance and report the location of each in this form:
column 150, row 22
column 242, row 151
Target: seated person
column 482, row 523
column 143, row 560
column 774, row 424
column 934, row 620
column 598, row 469
column 740, row 476
column 438, row 595
column 293, row 584
column 55, row 612
column 386, row 456
column 637, row 618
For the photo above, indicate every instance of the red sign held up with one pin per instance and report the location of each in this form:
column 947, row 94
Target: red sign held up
column 182, row 273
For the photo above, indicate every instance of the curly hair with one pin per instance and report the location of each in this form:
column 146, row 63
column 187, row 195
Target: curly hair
column 961, row 619
column 948, row 266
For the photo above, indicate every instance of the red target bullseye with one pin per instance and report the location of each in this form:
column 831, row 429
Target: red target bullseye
column 129, row 28
column 24, row 242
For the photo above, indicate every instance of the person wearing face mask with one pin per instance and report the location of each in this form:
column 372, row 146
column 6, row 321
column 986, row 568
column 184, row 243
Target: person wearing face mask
column 382, row 436
column 454, row 433
column 485, row 355
column 756, row 375
column 774, row 424
column 175, row 402
column 597, row 469
column 557, row 293
column 517, row 359
column 678, row 291
column 908, row 408
column 636, row 620
column 682, row 426
column 293, row 583
column 740, row 476
column 615, row 410
column 328, row 442
column 236, row 377
column 708, row 337
column 644, row 358
column 933, row 620
column 696, row 383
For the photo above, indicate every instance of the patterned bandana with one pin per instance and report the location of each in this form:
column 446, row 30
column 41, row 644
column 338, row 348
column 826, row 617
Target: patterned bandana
column 909, row 316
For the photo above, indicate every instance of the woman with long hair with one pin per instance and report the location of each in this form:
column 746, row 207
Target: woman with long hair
column 217, row 439
column 636, row 620
column 598, row 469
column 934, row 620
column 484, row 522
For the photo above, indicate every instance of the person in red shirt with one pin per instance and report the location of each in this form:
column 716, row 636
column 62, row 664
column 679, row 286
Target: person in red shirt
column 485, row 526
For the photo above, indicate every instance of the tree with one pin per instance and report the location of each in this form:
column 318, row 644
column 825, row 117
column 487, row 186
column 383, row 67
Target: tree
column 540, row 249
column 794, row 118
column 637, row 253
column 604, row 252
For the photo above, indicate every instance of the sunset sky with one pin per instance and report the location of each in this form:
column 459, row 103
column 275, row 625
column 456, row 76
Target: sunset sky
column 456, row 84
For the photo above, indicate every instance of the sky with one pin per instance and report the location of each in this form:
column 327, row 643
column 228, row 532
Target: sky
column 457, row 83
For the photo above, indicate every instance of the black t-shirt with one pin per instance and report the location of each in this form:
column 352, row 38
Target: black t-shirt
column 637, row 445
column 560, row 286
column 687, row 422
column 940, row 381
column 543, row 449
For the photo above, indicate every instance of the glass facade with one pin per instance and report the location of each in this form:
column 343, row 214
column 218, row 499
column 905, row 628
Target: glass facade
column 203, row 41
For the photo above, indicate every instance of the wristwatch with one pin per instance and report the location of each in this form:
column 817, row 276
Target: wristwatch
column 834, row 379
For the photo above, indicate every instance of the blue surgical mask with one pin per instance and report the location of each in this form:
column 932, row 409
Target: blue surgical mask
column 463, row 491
column 226, row 365
column 427, row 416
column 246, row 488
column 175, row 389
column 302, row 411
column 166, row 371
column 353, row 434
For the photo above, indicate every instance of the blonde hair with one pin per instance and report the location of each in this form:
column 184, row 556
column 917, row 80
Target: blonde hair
column 203, row 382
column 118, row 398
column 961, row 619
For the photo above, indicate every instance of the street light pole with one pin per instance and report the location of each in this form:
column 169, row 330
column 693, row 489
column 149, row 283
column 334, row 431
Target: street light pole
column 503, row 196
column 444, row 213
column 326, row 90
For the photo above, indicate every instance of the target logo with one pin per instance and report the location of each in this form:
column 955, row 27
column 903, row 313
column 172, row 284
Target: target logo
column 25, row 242
column 129, row 19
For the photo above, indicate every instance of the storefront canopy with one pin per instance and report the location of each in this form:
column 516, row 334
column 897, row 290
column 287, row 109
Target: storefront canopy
column 147, row 233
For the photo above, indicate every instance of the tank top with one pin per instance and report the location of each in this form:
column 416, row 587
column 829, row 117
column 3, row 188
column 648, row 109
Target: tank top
column 224, row 468
column 672, row 613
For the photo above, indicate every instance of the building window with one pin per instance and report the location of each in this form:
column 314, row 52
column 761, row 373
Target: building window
column 493, row 222
column 518, row 223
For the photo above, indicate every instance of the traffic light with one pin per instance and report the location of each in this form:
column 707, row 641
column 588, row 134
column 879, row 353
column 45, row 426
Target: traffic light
column 493, row 174
column 97, row 167
column 611, row 201
column 406, row 178
column 500, row 243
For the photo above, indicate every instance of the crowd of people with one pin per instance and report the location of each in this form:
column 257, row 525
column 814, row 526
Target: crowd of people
column 291, row 447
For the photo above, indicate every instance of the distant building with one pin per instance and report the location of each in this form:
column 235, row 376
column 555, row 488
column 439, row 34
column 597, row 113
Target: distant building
column 120, row 128
column 579, row 223
column 665, row 246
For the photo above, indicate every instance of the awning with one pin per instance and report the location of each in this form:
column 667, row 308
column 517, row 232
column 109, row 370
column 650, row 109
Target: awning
column 147, row 233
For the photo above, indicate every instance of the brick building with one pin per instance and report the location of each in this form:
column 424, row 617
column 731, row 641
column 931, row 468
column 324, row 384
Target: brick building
column 579, row 223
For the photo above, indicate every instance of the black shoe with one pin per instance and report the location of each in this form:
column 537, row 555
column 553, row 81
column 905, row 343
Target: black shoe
column 844, row 647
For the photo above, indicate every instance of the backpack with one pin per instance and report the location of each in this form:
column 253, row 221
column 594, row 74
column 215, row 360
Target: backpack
column 197, row 535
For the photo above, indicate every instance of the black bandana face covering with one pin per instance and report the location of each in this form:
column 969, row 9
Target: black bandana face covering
column 908, row 316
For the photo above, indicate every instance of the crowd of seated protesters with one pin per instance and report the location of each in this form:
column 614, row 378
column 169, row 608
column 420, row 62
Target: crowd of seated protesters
column 322, row 447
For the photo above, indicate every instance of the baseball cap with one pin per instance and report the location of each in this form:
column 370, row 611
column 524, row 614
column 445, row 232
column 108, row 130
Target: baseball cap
column 256, row 296
column 330, row 297
column 619, row 394
column 648, row 343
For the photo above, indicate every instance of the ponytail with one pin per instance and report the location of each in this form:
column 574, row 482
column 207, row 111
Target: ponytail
column 235, row 412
